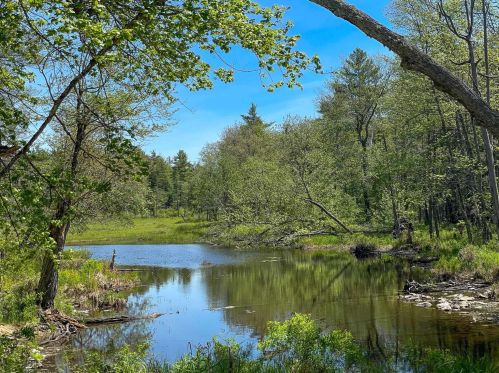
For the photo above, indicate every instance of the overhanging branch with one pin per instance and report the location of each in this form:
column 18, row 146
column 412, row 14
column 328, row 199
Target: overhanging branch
column 416, row 60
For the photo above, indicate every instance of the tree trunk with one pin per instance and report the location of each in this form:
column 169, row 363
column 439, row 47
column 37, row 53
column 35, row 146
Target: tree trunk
column 331, row 215
column 414, row 59
column 435, row 217
column 464, row 214
column 430, row 218
column 365, row 185
column 489, row 153
column 49, row 276
column 393, row 192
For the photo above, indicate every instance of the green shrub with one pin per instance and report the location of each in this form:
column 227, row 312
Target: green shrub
column 298, row 345
column 18, row 305
column 124, row 360
column 217, row 357
column 443, row 361
column 17, row 354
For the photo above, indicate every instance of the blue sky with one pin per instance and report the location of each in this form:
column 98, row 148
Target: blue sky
column 202, row 116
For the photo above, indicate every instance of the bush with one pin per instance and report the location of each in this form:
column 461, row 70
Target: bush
column 18, row 304
column 124, row 360
column 217, row 357
column 298, row 345
column 17, row 354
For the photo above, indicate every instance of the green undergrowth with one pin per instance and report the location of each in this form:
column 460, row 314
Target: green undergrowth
column 345, row 241
column 295, row 345
column 481, row 262
column 456, row 256
column 90, row 283
column 140, row 230
column 19, row 353
column 83, row 282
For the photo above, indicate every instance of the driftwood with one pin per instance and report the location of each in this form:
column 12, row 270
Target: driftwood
column 120, row 319
column 446, row 286
column 62, row 326
column 412, row 58
column 111, row 265
column 130, row 270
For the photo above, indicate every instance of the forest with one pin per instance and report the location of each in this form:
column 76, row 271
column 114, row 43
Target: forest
column 398, row 165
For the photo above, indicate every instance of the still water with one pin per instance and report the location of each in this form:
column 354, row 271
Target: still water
column 207, row 291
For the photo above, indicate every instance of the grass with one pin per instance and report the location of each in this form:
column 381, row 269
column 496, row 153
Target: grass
column 90, row 283
column 347, row 240
column 456, row 255
column 140, row 230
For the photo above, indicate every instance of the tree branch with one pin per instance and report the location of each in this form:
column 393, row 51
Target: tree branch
column 416, row 60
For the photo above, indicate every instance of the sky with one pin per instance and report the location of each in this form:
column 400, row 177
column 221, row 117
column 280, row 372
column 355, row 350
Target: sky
column 201, row 117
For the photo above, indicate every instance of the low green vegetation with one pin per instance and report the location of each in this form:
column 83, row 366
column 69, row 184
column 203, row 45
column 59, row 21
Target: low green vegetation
column 84, row 283
column 91, row 284
column 481, row 262
column 141, row 230
column 18, row 353
column 295, row 345
column 455, row 256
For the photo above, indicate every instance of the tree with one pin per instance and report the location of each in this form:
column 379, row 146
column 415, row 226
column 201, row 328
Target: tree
column 160, row 180
column 358, row 87
column 91, row 149
column 148, row 46
column 414, row 59
column 181, row 173
column 94, row 60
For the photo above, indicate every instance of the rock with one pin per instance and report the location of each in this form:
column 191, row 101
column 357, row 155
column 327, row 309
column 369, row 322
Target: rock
column 424, row 304
column 415, row 287
column 444, row 306
column 463, row 298
column 464, row 304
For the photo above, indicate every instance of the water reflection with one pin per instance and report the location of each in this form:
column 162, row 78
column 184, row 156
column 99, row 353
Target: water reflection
column 236, row 299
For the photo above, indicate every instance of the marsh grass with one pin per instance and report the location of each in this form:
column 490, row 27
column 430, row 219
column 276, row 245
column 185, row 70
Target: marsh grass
column 343, row 241
column 141, row 230
column 90, row 283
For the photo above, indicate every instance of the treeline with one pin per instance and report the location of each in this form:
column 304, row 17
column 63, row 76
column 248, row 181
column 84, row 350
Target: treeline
column 386, row 150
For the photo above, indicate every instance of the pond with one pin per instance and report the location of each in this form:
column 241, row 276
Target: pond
column 207, row 291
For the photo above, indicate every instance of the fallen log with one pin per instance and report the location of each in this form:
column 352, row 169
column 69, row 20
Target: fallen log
column 329, row 213
column 131, row 270
column 119, row 319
